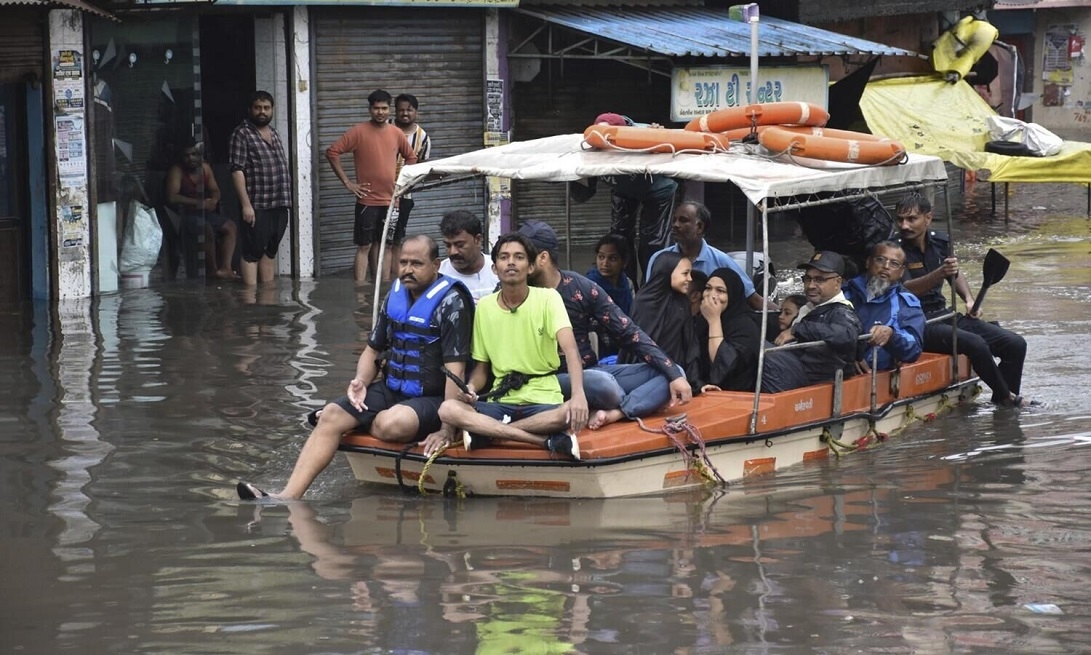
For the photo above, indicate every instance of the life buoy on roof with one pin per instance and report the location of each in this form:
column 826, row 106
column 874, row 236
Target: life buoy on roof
column 770, row 113
column 833, row 145
column 651, row 139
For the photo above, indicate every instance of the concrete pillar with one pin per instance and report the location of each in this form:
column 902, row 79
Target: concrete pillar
column 300, row 56
column 70, row 244
column 498, row 119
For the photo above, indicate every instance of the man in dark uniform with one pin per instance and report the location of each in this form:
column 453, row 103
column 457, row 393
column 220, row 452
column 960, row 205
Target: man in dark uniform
column 929, row 262
column 425, row 323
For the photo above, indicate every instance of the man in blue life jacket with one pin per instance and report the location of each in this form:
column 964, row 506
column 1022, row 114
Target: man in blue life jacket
column 424, row 325
column 889, row 313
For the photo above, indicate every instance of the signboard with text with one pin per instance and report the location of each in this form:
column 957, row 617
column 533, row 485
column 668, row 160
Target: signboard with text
column 699, row 91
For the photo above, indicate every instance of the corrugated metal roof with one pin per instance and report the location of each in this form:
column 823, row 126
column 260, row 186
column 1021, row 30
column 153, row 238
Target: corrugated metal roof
column 71, row 4
column 704, row 32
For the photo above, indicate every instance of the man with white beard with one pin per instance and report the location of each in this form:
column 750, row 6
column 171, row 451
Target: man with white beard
column 887, row 310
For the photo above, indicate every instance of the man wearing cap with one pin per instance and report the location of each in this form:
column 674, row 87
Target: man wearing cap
column 828, row 317
column 651, row 197
column 616, row 391
column 888, row 312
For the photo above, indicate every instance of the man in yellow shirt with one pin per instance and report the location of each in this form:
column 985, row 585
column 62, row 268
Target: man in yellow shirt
column 517, row 331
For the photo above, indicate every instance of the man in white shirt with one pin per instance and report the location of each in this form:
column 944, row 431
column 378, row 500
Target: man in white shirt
column 466, row 262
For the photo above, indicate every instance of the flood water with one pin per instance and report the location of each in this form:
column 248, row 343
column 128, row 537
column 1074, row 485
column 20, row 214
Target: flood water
column 125, row 422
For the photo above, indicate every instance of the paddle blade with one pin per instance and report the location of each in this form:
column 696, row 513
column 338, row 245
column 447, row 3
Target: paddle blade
column 995, row 267
column 994, row 270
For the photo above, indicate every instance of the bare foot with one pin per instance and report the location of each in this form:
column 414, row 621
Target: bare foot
column 605, row 417
column 226, row 274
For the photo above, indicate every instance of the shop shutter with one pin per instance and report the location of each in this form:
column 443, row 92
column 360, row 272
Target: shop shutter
column 435, row 54
column 566, row 102
column 22, row 44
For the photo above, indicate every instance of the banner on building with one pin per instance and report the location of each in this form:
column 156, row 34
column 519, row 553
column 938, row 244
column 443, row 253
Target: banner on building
column 699, row 91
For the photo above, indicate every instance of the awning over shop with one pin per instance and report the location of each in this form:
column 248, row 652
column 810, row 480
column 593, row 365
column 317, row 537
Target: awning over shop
column 71, row 4
column 694, row 32
column 933, row 117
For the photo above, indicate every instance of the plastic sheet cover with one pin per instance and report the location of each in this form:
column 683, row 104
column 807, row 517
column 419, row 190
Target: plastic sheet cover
column 930, row 116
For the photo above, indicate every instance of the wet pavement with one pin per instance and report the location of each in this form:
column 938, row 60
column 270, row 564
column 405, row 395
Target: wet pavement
column 125, row 421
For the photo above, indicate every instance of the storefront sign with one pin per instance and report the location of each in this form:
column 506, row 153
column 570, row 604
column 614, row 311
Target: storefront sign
column 699, row 91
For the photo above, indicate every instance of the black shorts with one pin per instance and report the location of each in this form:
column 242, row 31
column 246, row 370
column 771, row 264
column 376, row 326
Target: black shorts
column 368, row 226
column 380, row 397
column 396, row 233
column 263, row 237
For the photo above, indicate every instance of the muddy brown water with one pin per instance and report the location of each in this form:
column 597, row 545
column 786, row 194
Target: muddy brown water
column 124, row 423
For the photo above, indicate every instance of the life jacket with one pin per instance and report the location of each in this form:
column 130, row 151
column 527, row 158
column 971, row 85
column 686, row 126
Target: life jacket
column 414, row 367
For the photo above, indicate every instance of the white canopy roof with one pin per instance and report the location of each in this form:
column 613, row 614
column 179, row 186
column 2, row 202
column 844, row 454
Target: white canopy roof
column 564, row 158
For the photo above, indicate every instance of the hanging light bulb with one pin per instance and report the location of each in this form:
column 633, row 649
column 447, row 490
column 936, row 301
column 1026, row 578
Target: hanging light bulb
column 132, row 59
column 168, row 55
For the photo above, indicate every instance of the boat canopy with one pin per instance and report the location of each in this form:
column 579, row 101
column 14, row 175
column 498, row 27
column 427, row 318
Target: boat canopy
column 565, row 158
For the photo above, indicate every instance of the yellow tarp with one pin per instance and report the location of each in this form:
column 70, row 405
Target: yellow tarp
column 932, row 117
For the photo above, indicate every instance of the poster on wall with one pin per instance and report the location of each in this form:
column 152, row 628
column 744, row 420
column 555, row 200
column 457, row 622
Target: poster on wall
column 68, row 80
column 71, row 157
column 494, row 104
column 72, row 226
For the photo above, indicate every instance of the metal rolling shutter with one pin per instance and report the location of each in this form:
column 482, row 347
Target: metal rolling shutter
column 22, row 44
column 567, row 104
column 434, row 54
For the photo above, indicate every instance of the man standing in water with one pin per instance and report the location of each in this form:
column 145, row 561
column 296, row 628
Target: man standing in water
column 405, row 117
column 375, row 146
column 259, row 171
column 929, row 263
column 425, row 325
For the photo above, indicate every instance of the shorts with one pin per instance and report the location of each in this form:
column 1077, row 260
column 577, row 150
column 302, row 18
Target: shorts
column 396, row 234
column 263, row 237
column 515, row 412
column 380, row 397
column 368, row 226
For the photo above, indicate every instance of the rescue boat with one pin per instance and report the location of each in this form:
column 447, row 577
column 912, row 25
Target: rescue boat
column 718, row 437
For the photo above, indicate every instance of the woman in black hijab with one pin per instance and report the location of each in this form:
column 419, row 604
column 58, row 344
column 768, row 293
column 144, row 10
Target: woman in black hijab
column 727, row 334
column 661, row 308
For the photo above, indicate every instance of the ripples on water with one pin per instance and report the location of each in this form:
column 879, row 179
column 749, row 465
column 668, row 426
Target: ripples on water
column 126, row 423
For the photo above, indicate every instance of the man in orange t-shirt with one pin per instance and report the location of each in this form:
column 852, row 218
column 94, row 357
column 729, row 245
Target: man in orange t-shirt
column 375, row 146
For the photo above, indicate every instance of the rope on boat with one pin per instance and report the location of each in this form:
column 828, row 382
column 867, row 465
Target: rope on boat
column 452, row 486
column 838, row 447
column 398, row 468
column 673, row 428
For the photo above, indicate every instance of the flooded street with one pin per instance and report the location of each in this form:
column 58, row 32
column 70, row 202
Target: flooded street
column 125, row 422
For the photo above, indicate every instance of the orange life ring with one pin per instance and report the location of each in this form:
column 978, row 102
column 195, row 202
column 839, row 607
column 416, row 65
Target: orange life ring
column 651, row 139
column 833, row 145
column 770, row 113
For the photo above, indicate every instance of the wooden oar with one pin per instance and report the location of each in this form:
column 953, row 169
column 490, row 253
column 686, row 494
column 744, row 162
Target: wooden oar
column 994, row 270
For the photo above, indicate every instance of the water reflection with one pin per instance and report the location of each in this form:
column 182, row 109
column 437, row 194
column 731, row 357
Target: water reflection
column 124, row 423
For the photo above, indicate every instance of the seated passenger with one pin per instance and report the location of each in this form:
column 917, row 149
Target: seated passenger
column 192, row 188
column 466, row 262
column 688, row 226
column 617, row 390
column 611, row 255
column 422, row 307
column 698, row 280
column 827, row 317
column 516, row 335
column 887, row 311
column 731, row 337
column 789, row 309
column 929, row 263
column 662, row 309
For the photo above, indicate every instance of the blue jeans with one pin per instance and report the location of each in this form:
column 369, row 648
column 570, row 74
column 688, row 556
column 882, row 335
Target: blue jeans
column 636, row 389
